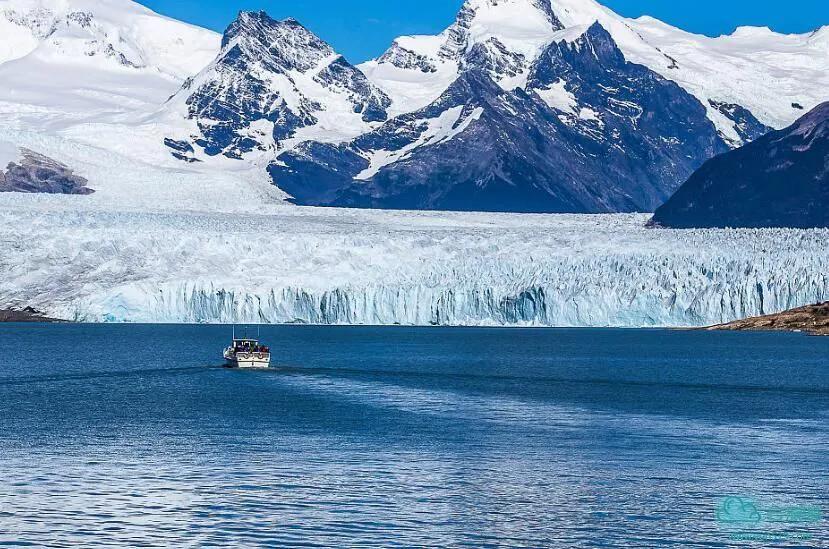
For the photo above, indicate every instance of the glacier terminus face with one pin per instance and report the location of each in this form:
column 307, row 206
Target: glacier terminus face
column 334, row 266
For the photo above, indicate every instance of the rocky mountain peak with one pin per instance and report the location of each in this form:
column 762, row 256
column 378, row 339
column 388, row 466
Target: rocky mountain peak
column 601, row 43
column 271, row 79
column 280, row 45
column 472, row 8
column 594, row 46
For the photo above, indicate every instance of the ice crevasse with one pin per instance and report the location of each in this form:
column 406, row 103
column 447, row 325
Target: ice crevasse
column 326, row 266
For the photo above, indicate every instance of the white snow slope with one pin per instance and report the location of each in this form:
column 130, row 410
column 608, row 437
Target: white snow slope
column 94, row 57
column 98, row 72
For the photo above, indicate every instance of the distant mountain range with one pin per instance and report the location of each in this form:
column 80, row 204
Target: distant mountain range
column 779, row 180
column 520, row 105
column 585, row 117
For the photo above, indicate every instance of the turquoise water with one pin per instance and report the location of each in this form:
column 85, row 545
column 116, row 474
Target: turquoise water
column 135, row 435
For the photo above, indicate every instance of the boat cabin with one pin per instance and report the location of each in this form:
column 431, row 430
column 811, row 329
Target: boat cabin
column 248, row 345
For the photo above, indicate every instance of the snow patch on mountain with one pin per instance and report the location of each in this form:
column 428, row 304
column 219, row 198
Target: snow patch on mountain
column 19, row 39
column 411, row 86
column 522, row 26
column 557, row 97
column 437, row 130
column 757, row 68
column 118, row 31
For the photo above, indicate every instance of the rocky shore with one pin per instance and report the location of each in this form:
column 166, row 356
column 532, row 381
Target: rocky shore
column 813, row 319
column 25, row 315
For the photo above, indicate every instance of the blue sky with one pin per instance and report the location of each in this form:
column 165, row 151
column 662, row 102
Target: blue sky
column 362, row 29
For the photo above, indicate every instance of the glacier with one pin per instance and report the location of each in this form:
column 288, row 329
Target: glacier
column 153, row 244
column 287, row 264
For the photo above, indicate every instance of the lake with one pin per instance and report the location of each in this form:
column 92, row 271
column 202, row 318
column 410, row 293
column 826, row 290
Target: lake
column 136, row 435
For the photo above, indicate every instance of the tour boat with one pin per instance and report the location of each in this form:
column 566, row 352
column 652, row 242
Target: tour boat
column 247, row 353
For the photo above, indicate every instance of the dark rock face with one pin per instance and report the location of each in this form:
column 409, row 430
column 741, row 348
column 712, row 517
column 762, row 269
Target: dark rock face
column 318, row 171
column 255, row 77
column 493, row 58
column 182, row 150
column 28, row 314
column 639, row 132
column 779, row 180
column 36, row 173
column 747, row 126
column 624, row 144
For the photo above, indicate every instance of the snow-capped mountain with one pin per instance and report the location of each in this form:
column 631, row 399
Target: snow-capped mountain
column 585, row 117
column 567, row 125
column 501, row 37
column 730, row 70
column 572, row 128
column 779, row 180
column 270, row 80
column 74, row 60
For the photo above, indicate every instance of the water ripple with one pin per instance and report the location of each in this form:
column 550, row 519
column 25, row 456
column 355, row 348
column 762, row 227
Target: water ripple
column 397, row 448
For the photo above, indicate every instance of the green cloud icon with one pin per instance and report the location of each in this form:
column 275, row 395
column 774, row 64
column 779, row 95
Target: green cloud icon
column 738, row 510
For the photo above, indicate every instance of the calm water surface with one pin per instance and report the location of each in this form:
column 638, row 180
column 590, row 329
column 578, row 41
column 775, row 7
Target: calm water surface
column 135, row 435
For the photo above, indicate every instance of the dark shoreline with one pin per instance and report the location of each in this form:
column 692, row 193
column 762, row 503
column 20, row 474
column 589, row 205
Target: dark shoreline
column 28, row 314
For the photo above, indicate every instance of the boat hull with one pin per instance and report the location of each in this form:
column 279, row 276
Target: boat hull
column 248, row 360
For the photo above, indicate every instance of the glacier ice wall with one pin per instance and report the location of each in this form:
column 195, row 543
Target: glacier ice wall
column 313, row 265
